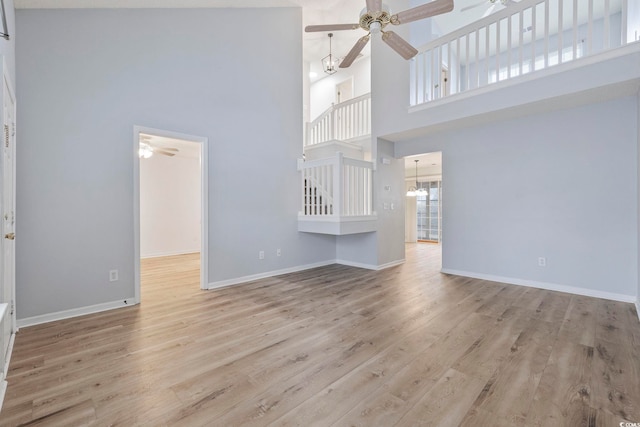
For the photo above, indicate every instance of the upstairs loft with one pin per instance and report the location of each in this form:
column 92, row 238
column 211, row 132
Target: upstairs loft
column 533, row 56
column 528, row 36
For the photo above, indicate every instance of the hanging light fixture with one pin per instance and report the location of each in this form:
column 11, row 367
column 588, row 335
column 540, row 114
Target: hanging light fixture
column 414, row 190
column 328, row 62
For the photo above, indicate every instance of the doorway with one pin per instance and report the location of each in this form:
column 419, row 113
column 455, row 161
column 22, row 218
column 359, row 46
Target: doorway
column 8, row 200
column 170, row 195
column 344, row 90
column 423, row 213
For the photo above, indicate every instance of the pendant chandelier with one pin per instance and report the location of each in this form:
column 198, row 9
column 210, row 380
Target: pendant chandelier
column 414, row 190
column 328, row 63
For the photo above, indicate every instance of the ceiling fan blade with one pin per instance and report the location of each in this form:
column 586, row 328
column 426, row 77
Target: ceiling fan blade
column 163, row 152
column 489, row 11
column 374, row 6
column 433, row 8
column 399, row 44
column 473, row 6
column 330, row 27
column 354, row 52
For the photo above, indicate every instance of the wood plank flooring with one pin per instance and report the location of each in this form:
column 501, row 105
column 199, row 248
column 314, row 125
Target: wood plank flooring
column 332, row 346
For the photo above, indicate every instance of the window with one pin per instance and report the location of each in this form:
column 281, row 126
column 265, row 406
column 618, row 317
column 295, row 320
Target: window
column 429, row 212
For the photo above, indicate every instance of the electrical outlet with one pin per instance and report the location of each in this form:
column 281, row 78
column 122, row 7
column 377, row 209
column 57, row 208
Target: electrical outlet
column 113, row 275
column 261, row 255
column 542, row 262
column 278, row 252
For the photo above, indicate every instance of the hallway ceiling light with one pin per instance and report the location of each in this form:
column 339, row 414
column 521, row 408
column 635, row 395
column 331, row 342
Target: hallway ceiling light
column 328, row 62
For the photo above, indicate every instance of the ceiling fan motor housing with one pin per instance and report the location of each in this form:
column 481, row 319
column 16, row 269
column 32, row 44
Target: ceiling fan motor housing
column 374, row 21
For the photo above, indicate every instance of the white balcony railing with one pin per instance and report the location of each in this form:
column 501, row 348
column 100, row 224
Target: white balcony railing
column 348, row 120
column 337, row 187
column 528, row 36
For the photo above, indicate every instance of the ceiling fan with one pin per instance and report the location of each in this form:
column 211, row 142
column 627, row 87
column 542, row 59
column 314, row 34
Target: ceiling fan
column 375, row 17
column 492, row 5
column 148, row 149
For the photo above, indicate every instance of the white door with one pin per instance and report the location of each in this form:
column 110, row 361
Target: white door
column 344, row 91
column 8, row 217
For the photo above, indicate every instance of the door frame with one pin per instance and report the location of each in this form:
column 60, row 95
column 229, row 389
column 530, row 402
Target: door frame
column 7, row 83
column 204, row 200
column 8, row 91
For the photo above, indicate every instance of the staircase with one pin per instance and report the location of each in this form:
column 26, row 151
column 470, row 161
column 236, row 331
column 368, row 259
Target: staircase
column 337, row 183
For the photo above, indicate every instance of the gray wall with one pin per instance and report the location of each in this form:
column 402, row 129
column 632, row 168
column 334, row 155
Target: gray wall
column 561, row 185
column 86, row 77
column 390, row 206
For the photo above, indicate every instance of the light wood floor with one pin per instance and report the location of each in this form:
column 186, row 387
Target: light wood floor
column 337, row 346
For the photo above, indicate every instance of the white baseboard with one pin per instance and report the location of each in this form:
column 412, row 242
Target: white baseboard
column 75, row 312
column 251, row 278
column 356, row 264
column 638, row 307
column 391, row 264
column 543, row 285
column 170, row 253
column 370, row 266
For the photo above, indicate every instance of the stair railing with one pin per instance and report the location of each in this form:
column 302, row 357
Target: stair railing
column 344, row 121
column 337, row 187
column 526, row 36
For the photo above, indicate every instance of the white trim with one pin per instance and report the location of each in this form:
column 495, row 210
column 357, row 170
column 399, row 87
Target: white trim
column 357, row 264
column 337, row 218
column 4, row 384
column 638, row 308
column 370, row 266
column 12, row 341
column 391, row 264
column 170, row 253
column 251, row 278
column 75, row 312
column 204, row 200
column 596, row 58
column 3, row 390
column 543, row 285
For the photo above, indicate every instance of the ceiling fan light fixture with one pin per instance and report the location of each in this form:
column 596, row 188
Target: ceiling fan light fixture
column 329, row 63
column 145, row 151
column 373, row 19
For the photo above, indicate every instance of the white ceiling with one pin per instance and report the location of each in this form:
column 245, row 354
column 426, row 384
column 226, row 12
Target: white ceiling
column 429, row 164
